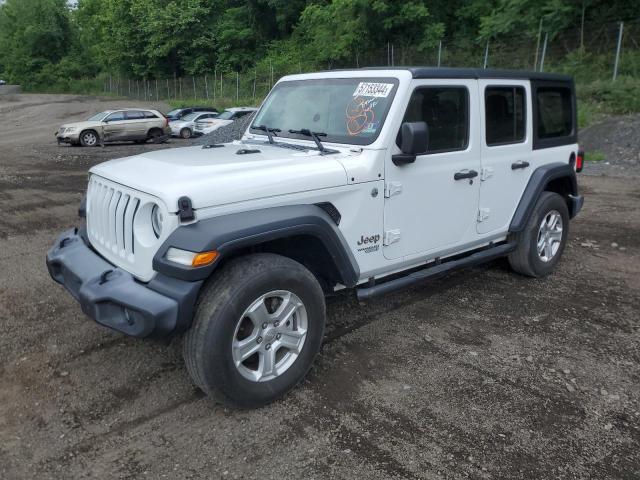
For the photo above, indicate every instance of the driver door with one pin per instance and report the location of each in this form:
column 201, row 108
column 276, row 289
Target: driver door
column 114, row 127
column 427, row 210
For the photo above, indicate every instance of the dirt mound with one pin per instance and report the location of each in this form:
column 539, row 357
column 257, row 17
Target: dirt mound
column 612, row 146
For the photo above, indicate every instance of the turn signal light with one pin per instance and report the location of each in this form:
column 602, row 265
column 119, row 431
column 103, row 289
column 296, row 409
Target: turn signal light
column 580, row 161
column 203, row 259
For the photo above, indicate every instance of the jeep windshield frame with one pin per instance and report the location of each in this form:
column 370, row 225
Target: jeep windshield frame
column 351, row 111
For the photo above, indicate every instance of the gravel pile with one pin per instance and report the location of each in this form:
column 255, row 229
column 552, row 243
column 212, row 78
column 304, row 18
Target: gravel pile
column 616, row 140
column 228, row 133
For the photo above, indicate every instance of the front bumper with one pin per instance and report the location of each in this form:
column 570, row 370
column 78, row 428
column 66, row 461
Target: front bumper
column 114, row 298
column 64, row 137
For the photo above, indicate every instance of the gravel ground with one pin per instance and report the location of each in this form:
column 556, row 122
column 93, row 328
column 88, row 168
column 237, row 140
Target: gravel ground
column 483, row 374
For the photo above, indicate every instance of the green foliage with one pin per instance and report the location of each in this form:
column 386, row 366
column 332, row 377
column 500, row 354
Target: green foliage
column 49, row 46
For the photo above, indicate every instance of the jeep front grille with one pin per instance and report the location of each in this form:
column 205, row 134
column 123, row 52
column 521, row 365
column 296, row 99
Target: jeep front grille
column 111, row 210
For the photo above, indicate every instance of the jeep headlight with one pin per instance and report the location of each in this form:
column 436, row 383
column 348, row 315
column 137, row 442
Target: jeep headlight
column 156, row 220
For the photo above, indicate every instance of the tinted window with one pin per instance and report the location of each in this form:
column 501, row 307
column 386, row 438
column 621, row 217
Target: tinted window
column 135, row 115
column 150, row 115
column 504, row 113
column 446, row 112
column 114, row 117
column 555, row 112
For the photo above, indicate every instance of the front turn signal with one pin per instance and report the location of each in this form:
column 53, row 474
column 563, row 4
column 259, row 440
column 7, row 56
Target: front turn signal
column 203, row 259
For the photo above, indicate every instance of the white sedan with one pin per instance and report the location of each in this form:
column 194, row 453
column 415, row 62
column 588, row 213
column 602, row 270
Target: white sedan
column 225, row 118
column 185, row 126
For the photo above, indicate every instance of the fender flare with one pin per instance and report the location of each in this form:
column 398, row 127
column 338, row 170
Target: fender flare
column 538, row 182
column 229, row 233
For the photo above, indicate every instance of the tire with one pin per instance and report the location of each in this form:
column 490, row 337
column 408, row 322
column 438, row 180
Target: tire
column 186, row 133
column 155, row 135
column 222, row 320
column 540, row 246
column 89, row 138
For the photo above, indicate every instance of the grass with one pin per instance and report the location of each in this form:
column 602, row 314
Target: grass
column 596, row 156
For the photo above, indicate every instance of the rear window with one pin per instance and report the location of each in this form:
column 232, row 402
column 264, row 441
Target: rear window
column 135, row 115
column 505, row 117
column 555, row 112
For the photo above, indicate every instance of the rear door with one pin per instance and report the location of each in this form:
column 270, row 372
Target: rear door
column 506, row 151
column 137, row 125
column 426, row 209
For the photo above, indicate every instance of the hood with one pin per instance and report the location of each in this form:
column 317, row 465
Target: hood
column 81, row 125
column 218, row 176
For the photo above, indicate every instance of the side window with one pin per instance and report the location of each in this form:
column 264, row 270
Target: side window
column 555, row 112
column 150, row 115
column 446, row 112
column 115, row 117
column 505, row 117
column 135, row 115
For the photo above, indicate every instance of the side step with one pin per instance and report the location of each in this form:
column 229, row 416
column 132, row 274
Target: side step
column 436, row 271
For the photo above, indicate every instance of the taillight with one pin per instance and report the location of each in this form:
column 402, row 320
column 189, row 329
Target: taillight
column 166, row 122
column 580, row 161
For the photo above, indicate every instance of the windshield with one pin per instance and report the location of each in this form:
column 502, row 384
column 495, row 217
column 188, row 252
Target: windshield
column 348, row 110
column 226, row 115
column 191, row 116
column 97, row 117
column 175, row 112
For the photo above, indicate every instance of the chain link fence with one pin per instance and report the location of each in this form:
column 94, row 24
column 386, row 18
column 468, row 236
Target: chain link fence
column 601, row 52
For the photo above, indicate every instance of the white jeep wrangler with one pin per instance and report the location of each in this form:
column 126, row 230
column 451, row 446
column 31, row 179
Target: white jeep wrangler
column 367, row 179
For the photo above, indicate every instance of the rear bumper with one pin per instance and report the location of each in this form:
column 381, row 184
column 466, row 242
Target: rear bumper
column 575, row 204
column 114, row 298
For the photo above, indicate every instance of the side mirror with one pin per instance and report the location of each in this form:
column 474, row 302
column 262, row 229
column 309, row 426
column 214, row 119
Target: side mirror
column 415, row 139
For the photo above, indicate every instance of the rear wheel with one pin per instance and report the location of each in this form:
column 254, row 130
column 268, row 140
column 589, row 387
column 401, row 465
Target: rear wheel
column 186, row 133
column 257, row 328
column 542, row 242
column 155, row 135
column 89, row 138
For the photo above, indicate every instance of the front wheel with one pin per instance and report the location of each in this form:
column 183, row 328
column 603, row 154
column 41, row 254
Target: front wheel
column 257, row 328
column 89, row 138
column 541, row 243
column 186, row 133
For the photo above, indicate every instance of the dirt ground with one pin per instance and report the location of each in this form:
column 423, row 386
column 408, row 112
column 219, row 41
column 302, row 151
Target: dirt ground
column 484, row 374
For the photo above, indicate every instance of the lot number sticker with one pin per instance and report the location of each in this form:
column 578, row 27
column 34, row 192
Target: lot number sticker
column 369, row 89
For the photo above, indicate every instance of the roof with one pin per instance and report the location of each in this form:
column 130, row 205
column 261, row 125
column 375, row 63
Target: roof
column 476, row 73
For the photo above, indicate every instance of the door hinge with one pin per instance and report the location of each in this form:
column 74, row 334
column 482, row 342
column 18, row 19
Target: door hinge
column 483, row 214
column 391, row 236
column 486, row 173
column 392, row 188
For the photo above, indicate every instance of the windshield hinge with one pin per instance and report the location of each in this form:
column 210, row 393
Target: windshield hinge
column 185, row 209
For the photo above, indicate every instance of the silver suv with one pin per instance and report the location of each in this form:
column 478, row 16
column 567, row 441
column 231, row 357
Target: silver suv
column 136, row 125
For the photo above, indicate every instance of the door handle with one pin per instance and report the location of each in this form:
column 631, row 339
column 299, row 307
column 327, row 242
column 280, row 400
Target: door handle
column 519, row 164
column 465, row 174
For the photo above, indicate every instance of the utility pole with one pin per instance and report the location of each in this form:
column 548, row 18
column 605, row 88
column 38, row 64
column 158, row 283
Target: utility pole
column 439, row 52
column 544, row 51
column 619, row 47
column 535, row 62
column 486, row 55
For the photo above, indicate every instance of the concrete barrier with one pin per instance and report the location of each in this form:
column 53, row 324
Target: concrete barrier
column 6, row 89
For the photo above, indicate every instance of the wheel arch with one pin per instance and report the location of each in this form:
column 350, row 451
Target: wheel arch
column 305, row 233
column 557, row 177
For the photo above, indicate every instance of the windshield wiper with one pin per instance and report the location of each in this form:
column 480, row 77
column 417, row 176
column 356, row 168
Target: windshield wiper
column 269, row 131
column 316, row 138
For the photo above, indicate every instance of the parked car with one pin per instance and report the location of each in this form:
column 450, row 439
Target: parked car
column 373, row 180
column 185, row 126
column 203, row 127
column 2, row 82
column 137, row 124
column 179, row 113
